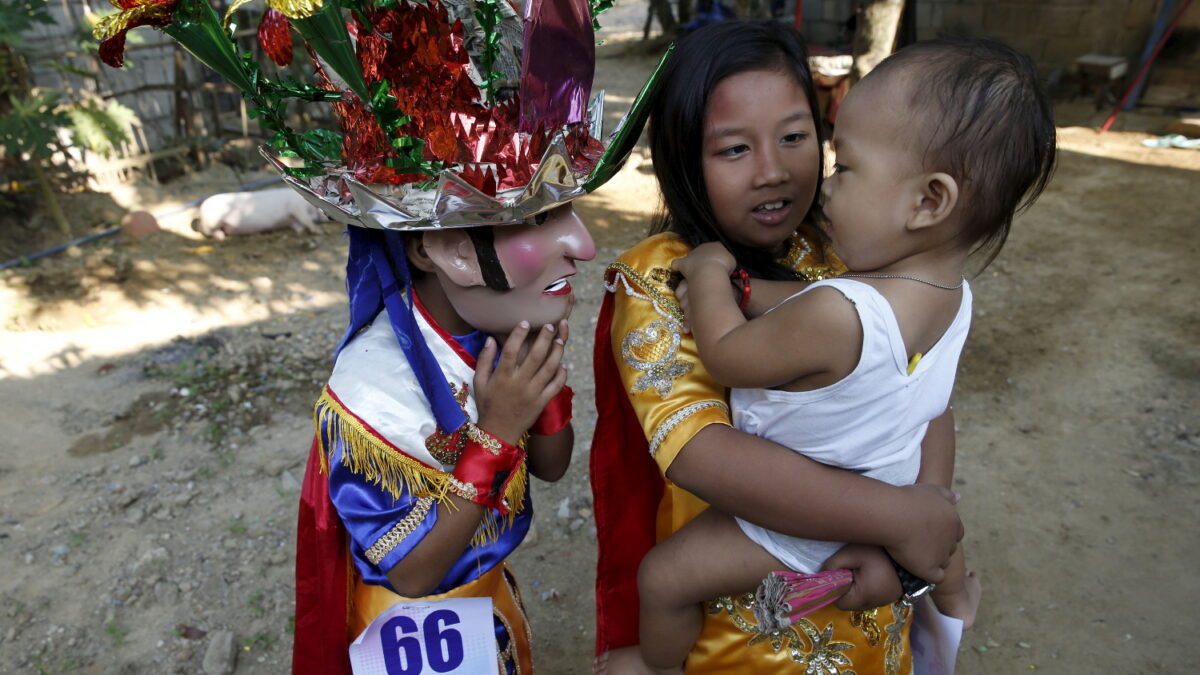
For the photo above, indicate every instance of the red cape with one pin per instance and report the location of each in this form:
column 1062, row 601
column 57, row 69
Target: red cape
column 626, row 490
column 321, row 637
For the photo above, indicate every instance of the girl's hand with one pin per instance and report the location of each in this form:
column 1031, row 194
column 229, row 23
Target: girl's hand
column 681, row 294
column 933, row 533
column 704, row 256
column 512, row 393
column 875, row 581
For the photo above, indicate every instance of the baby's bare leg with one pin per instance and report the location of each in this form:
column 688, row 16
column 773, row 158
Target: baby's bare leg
column 707, row 558
column 959, row 593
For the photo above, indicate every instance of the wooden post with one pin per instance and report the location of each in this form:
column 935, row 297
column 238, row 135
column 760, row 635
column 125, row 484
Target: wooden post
column 876, row 35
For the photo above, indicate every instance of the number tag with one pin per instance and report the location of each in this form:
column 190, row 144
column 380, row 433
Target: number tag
column 424, row 638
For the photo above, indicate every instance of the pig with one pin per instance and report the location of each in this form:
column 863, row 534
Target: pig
column 233, row 213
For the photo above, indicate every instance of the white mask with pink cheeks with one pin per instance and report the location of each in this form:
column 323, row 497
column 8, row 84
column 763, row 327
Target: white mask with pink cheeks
column 538, row 261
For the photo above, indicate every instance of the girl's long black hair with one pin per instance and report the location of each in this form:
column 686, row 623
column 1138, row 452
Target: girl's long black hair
column 701, row 61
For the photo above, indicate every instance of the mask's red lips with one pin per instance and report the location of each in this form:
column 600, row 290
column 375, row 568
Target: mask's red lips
column 560, row 287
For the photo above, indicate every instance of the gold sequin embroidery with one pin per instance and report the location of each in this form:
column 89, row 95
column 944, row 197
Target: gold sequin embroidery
column 815, row 649
column 652, row 351
column 493, row 444
column 447, row 448
column 665, row 305
column 865, row 622
column 894, row 644
column 801, row 257
column 400, row 531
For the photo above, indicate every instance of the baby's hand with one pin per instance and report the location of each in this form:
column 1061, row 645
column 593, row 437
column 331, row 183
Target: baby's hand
column 702, row 257
column 511, row 394
column 933, row 533
column 875, row 581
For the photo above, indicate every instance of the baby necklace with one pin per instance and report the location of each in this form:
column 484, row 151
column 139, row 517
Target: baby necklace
column 903, row 276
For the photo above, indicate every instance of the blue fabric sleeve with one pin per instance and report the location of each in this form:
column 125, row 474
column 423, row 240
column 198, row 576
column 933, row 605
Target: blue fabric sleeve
column 369, row 512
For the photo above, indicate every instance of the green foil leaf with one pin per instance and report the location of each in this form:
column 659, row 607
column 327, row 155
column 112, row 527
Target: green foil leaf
column 628, row 131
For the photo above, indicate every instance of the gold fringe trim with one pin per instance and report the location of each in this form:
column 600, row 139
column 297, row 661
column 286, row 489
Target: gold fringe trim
column 367, row 456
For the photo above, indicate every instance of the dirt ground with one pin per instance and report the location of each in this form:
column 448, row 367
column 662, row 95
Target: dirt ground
column 157, row 398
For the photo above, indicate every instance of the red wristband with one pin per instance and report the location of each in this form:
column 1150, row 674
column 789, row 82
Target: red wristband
column 743, row 277
column 485, row 469
column 556, row 415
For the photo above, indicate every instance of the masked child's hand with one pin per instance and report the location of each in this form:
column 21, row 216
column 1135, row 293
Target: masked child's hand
column 512, row 393
column 875, row 581
column 709, row 256
column 932, row 533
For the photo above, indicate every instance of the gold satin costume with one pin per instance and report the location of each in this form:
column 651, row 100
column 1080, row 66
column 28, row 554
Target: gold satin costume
column 674, row 397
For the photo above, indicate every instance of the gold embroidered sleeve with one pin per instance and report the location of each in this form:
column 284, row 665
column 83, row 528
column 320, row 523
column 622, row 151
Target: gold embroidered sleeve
column 672, row 394
column 400, row 531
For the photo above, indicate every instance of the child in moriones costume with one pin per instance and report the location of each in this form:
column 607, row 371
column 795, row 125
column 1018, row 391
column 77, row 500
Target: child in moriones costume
column 466, row 131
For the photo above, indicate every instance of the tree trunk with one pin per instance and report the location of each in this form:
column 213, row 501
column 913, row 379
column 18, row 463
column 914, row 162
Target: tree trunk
column 684, row 12
column 666, row 18
column 876, row 35
column 49, row 199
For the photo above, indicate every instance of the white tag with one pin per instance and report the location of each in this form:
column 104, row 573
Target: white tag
column 934, row 638
column 428, row 638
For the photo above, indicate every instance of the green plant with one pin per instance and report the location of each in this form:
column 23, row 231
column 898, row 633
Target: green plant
column 31, row 119
column 117, row 633
column 30, row 128
column 259, row 641
column 19, row 16
column 254, row 602
column 236, row 526
column 214, row 433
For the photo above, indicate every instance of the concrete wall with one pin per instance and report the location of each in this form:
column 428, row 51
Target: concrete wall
column 1053, row 32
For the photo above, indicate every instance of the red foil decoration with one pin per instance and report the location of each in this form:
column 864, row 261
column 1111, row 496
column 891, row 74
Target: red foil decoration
column 421, row 58
column 112, row 49
column 275, row 36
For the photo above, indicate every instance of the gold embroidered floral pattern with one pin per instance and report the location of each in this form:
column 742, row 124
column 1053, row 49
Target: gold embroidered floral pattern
column 447, row 448
column 865, row 622
column 894, row 644
column 400, row 531
column 814, row 649
column 651, row 351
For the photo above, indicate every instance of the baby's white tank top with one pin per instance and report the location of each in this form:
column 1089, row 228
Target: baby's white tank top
column 873, row 420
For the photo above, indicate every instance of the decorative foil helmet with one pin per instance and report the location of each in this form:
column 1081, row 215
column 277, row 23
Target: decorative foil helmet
column 452, row 114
